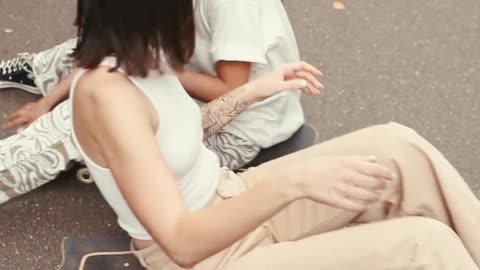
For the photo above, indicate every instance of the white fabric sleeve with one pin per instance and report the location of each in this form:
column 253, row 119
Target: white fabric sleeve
column 237, row 31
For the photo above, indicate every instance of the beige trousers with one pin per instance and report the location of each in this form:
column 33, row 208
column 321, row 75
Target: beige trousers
column 428, row 219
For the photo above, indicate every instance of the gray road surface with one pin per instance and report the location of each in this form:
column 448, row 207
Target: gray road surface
column 409, row 61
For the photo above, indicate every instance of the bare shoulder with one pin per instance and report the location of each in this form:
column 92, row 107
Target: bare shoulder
column 103, row 86
column 104, row 96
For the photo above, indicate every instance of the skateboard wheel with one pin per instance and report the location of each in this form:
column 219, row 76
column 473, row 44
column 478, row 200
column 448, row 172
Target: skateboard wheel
column 84, row 176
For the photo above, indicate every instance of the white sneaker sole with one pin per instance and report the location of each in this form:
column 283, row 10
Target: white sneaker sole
column 24, row 87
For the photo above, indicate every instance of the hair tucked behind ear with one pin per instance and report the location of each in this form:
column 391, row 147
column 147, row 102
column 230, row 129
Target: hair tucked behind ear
column 135, row 32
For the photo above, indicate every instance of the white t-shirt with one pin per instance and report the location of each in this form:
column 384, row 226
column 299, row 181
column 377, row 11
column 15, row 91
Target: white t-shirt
column 256, row 31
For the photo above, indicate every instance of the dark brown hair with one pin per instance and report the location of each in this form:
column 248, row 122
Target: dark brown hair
column 135, row 32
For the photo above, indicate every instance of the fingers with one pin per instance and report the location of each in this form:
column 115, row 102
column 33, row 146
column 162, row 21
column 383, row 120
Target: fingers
column 366, row 179
column 313, row 85
column 20, row 111
column 310, row 90
column 369, row 166
column 302, row 84
column 15, row 122
column 376, row 170
column 356, row 199
column 361, row 194
column 18, row 118
column 349, row 204
column 370, row 182
column 310, row 78
column 305, row 71
column 293, row 84
column 14, row 115
column 304, row 66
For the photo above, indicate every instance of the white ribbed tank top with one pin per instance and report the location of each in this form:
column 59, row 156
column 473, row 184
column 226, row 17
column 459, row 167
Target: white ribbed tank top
column 180, row 137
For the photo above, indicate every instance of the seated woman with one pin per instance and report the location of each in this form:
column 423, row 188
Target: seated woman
column 379, row 198
column 236, row 41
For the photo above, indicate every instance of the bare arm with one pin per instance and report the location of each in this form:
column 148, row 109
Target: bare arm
column 219, row 112
column 60, row 92
column 231, row 74
column 28, row 113
column 142, row 175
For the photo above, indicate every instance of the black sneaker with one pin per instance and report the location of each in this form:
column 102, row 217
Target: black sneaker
column 17, row 73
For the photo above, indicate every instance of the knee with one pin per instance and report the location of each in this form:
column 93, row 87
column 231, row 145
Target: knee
column 429, row 233
column 435, row 244
column 397, row 129
column 394, row 133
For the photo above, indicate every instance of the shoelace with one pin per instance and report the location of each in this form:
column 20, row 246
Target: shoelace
column 15, row 64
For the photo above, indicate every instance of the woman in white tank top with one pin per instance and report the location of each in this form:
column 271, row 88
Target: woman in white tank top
column 141, row 136
column 236, row 41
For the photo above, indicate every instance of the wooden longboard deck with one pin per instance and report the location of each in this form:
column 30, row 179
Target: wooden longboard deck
column 100, row 253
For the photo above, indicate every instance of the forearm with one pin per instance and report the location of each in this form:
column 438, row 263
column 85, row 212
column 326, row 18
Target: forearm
column 60, row 92
column 203, row 233
column 219, row 112
column 203, row 87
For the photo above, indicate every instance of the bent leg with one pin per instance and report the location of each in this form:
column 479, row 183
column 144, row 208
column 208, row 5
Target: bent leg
column 412, row 243
column 37, row 155
column 51, row 66
column 428, row 185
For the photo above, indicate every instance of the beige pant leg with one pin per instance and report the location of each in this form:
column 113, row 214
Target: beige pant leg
column 308, row 235
column 428, row 185
column 409, row 243
column 412, row 243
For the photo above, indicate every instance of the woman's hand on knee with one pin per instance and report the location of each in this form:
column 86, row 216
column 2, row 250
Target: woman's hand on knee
column 351, row 183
